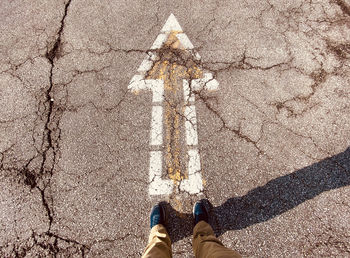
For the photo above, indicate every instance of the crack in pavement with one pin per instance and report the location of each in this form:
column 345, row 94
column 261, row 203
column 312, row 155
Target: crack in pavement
column 343, row 6
column 318, row 77
column 46, row 244
column 50, row 112
column 237, row 132
column 185, row 59
column 48, row 241
column 50, row 125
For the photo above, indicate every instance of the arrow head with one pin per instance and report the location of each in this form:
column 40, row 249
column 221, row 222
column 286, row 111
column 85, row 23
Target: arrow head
column 172, row 53
column 171, row 25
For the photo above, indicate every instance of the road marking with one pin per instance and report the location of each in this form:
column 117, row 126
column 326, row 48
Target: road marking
column 157, row 126
column 173, row 108
column 158, row 186
column 194, row 183
column 207, row 83
column 159, row 41
column 185, row 41
column 191, row 125
column 171, row 25
column 147, row 63
column 188, row 94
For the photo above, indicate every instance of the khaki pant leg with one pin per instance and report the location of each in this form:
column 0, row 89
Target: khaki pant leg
column 206, row 245
column 159, row 243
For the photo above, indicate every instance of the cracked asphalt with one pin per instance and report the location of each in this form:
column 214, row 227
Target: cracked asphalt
column 274, row 139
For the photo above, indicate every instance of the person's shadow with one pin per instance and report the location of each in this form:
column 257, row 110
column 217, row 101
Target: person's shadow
column 266, row 202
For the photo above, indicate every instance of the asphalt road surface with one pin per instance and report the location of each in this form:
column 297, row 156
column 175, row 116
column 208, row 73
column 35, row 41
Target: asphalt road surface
column 86, row 149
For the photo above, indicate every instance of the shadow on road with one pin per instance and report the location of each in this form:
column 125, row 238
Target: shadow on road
column 276, row 197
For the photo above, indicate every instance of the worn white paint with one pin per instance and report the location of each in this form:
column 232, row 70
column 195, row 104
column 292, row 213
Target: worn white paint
column 157, row 126
column 155, row 85
column 207, row 83
column 193, row 184
column 171, row 25
column 137, row 83
column 147, row 63
column 157, row 88
column 158, row 186
column 188, row 94
column 191, row 125
column 197, row 56
column 184, row 40
column 160, row 40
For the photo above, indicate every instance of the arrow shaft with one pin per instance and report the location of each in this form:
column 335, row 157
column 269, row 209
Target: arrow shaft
column 175, row 70
column 172, row 75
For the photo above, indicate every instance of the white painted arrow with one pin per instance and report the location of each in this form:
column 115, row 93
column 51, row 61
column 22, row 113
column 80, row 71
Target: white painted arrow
column 172, row 36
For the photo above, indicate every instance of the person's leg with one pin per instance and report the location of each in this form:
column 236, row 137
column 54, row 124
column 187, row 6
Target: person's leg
column 205, row 244
column 159, row 243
